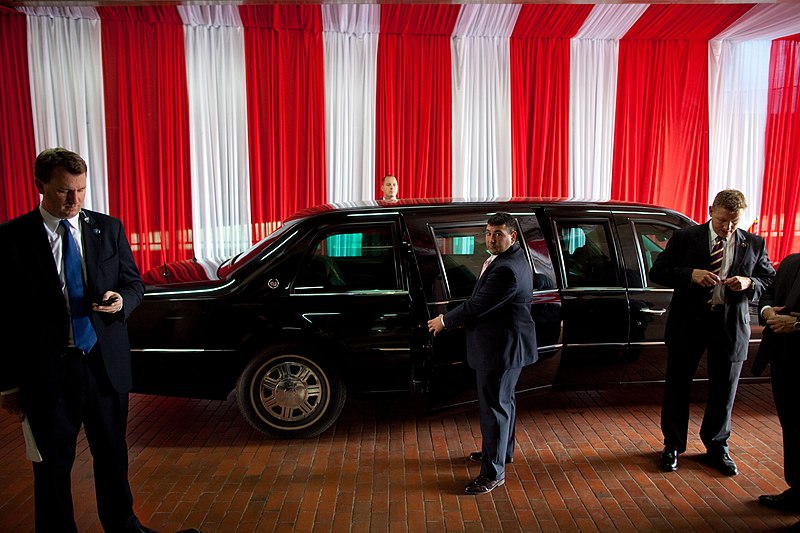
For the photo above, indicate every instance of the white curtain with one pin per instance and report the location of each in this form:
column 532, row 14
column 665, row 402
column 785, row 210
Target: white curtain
column 215, row 72
column 738, row 89
column 66, row 76
column 350, row 40
column 481, row 101
column 594, row 55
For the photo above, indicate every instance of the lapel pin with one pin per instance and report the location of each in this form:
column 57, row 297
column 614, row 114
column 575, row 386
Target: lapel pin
column 96, row 231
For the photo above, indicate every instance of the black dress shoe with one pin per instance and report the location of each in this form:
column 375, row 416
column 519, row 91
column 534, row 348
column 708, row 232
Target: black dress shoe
column 668, row 460
column 788, row 500
column 722, row 461
column 482, row 485
column 478, row 458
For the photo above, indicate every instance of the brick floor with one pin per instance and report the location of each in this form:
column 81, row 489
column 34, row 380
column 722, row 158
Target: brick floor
column 586, row 461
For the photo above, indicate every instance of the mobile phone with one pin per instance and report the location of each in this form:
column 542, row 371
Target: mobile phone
column 110, row 301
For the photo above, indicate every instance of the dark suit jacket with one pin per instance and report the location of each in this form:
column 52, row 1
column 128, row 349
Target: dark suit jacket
column 34, row 321
column 497, row 316
column 689, row 249
column 784, row 292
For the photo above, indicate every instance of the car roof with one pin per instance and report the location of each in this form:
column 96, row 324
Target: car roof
column 416, row 204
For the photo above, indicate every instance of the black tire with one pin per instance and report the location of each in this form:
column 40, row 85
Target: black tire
column 285, row 394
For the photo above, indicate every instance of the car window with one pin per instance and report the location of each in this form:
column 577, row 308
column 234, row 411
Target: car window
column 651, row 240
column 350, row 259
column 587, row 255
column 463, row 252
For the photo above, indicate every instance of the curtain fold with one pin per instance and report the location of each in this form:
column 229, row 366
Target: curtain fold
column 284, row 60
column 594, row 54
column 780, row 208
column 482, row 100
column 540, row 88
column 739, row 76
column 17, row 149
column 414, row 94
column 147, row 124
column 350, row 40
column 220, row 174
column 661, row 132
column 67, row 90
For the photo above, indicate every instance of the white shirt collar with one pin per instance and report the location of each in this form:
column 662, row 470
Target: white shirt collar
column 52, row 222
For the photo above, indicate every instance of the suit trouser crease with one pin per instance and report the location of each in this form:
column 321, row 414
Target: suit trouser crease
column 86, row 398
column 723, row 377
column 497, row 408
column 785, row 370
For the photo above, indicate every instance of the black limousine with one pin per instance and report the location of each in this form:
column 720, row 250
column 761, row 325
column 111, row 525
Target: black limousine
column 336, row 301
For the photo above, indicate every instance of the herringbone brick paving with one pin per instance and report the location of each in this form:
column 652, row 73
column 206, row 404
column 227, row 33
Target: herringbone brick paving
column 586, row 461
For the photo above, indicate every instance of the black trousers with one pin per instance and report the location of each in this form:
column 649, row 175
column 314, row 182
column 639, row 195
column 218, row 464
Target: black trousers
column 86, row 398
column 497, row 406
column 723, row 380
column 785, row 372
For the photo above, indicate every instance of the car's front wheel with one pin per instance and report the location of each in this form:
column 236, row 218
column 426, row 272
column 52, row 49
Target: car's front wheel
column 289, row 395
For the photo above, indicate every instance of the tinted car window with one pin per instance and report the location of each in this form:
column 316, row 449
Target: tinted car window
column 463, row 252
column 651, row 239
column 586, row 252
column 350, row 259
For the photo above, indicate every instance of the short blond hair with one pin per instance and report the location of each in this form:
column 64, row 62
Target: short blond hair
column 730, row 199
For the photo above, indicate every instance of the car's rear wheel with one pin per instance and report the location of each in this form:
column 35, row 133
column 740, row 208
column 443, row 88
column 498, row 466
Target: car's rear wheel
column 289, row 395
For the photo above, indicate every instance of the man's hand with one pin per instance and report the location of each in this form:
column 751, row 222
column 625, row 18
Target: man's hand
column 436, row 324
column 779, row 323
column 10, row 403
column 770, row 312
column 110, row 303
column 704, row 278
column 738, row 283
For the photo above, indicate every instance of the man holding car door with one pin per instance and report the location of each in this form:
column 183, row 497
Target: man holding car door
column 501, row 339
column 715, row 270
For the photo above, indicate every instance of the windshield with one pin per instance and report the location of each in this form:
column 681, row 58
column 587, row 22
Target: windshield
column 230, row 266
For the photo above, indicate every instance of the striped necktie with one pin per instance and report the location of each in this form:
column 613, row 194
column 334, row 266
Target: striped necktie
column 717, row 252
column 82, row 331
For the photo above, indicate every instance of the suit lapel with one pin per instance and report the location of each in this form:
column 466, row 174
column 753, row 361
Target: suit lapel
column 794, row 289
column 739, row 250
column 91, row 249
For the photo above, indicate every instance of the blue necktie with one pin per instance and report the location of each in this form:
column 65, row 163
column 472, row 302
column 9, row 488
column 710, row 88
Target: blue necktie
column 82, row 330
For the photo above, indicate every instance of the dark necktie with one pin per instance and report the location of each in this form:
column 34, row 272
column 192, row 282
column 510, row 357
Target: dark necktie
column 82, row 330
column 717, row 252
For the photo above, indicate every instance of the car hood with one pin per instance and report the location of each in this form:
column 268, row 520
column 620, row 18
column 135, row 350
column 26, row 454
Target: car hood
column 182, row 272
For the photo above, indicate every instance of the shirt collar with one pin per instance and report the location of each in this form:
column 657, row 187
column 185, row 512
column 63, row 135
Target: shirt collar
column 52, row 222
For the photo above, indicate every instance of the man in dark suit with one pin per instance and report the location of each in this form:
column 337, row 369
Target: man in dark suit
column 715, row 269
column 70, row 284
column 501, row 339
column 780, row 347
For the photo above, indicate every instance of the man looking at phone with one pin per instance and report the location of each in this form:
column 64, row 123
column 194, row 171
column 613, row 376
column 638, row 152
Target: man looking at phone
column 71, row 283
column 716, row 270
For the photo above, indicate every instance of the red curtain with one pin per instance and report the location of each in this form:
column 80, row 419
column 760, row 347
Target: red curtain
column 780, row 200
column 286, row 111
column 413, row 138
column 661, row 129
column 17, row 147
column 147, row 123
column 540, row 98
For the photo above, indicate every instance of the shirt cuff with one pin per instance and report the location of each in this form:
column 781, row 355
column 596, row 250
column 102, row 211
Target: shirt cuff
column 9, row 391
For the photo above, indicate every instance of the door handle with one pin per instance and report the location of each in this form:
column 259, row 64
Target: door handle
column 658, row 312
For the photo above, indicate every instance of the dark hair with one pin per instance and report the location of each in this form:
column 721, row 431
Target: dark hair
column 730, row 199
column 503, row 219
column 52, row 158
